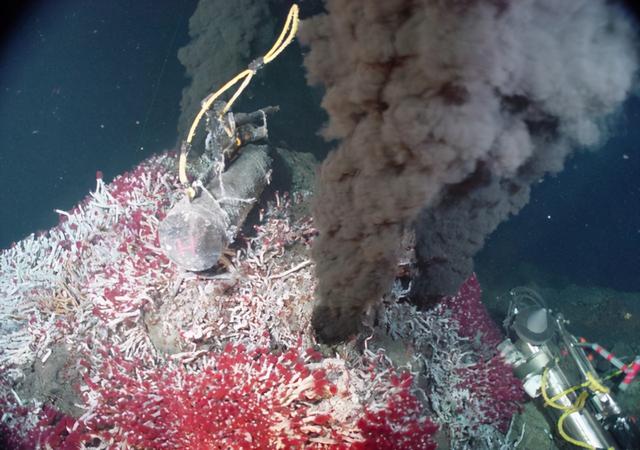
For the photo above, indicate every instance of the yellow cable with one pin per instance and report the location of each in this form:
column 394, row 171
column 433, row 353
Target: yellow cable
column 592, row 383
column 565, row 393
column 283, row 32
column 182, row 168
column 238, row 91
column 543, row 390
column 286, row 36
column 206, row 104
column 291, row 24
column 577, row 406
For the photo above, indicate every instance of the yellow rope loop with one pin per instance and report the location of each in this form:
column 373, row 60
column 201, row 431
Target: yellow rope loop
column 543, row 390
column 592, row 383
column 290, row 25
column 238, row 91
column 577, row 406
column 289, row 30
column 209, row 100
column 182, row 168
column 287, row 34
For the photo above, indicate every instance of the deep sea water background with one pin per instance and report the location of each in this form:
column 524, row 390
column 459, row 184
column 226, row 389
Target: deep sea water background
column 581, row 226
column 84, row 86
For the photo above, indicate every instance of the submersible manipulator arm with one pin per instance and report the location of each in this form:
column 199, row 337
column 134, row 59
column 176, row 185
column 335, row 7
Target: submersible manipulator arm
column 201, row 225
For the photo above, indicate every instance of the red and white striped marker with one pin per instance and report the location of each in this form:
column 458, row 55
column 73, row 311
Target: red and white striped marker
column 631, row 372
column 604, row 353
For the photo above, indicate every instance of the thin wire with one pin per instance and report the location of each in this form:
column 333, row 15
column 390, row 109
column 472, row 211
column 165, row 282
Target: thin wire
column 156, row 89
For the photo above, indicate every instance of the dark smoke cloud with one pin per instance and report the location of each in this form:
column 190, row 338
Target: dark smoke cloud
column 452, row 108
column 225, row 37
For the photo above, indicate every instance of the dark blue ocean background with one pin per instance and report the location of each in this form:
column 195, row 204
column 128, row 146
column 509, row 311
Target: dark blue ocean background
column 581, row 226
column 84, row 86
column 95, row 85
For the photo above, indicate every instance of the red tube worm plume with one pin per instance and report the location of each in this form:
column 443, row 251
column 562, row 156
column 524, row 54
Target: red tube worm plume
column 24, row 427
column 400, row 425
column 246, row 399
column 491, row 380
